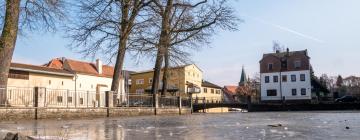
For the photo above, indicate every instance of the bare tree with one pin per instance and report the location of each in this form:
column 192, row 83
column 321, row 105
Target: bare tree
column 107, row 27
column 185, row 25
column 24, row 15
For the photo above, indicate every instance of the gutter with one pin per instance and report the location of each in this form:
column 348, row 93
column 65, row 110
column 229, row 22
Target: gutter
column 44, row 72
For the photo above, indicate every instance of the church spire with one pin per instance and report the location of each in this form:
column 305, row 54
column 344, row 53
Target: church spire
column 243, row 78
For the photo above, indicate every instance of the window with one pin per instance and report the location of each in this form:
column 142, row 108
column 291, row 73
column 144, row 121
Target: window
column 303, row 91
column 271, row 92
column 69, row 99
column 139, row 91
column 217, row 91
column 80, row 85
column 62, row 83
column 59, row 99
column 270, row 66
column 139, row 81
column 297, row 64
column 81, row 101
column 49, row 82
column 302, row 77
column 276, row 79
column 293, row 78
column 293, row 92
column 205, row 90
column 212, row 90
column 150, row 80
column 284, row 78
column 92, row 86
column 14, row 74
column 267, row 79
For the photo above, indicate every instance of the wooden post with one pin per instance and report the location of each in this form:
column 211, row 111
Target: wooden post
column 36, row 101
column 87, row 98
column 191, row 103
column 67, row 98
column 179, row 100
column 249, row 103
column 75, row 99
column 155, row 103
column 204, row 105
column 108, row 102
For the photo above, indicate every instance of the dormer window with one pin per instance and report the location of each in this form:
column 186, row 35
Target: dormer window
column 297, row 64
column 270, row 66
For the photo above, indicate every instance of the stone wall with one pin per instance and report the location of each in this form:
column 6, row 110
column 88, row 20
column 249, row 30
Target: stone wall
column 75, row 113
column 17, row 113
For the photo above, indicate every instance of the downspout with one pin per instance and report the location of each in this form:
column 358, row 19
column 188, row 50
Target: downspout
column 281, row 96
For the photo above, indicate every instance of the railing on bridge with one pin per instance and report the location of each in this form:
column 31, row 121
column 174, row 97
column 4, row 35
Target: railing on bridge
column 202, row 100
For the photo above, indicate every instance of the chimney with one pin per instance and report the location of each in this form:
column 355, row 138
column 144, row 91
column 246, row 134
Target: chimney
column 99, row 66
column 62, row 59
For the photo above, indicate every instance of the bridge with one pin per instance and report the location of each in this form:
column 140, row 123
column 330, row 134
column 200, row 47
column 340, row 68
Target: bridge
column 202, row 106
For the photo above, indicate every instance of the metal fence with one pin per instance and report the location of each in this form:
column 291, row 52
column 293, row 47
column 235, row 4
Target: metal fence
column 171, row 101
column 16, row 96
column 133, row 100
column 47, row 97
column 71, row 98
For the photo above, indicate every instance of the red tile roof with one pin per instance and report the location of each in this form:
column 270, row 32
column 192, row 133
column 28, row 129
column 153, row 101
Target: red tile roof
column 55, row 63
column 231, row 90
column 89, row 68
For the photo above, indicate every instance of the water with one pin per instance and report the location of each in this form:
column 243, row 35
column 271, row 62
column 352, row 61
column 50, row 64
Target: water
column 247, row 126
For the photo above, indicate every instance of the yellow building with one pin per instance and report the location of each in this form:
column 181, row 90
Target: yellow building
column 178, row 77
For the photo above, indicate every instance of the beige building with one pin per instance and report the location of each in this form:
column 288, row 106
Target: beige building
column 178, row 78
column 65, row 81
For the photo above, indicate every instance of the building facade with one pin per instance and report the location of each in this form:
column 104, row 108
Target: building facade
column 66, row 80
column 211, row 92
column 178, row 79
column 285, row 76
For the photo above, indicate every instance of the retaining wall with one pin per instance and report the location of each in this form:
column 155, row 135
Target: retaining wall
column 75, row 113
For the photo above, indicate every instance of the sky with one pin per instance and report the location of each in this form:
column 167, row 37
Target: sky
column 328, row 29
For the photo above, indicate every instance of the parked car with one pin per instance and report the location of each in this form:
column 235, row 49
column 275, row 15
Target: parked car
column 346, row 98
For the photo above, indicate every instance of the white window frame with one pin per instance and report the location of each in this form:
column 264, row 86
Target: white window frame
column 139, row 81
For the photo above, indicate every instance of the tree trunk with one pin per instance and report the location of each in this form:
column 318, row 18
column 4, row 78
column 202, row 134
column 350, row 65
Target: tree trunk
column 156, row 76
column 125, row 27
column 165, row 73
column 8, row 41
column 165, row 33
column 118, row 70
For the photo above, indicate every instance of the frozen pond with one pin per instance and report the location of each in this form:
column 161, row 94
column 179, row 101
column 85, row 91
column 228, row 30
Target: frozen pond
column 247, row 126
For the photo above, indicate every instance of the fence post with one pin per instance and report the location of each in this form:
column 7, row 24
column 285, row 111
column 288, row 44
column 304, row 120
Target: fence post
column 75, row 100
column 179, row 100
column 191, row 103
column 108, row 102
column 87, row 98
column 67, row 98
column 204, row 104
column 155, row 103
column 36, row 101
